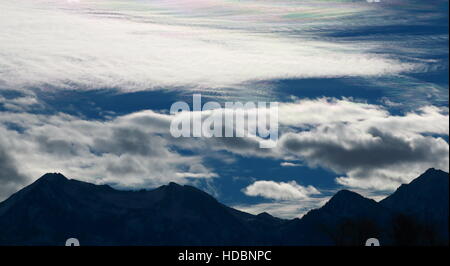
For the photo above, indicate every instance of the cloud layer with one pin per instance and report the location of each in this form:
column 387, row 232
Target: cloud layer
column 127, row 152
column 374, row 149
column 47, row 45
column 365, row 145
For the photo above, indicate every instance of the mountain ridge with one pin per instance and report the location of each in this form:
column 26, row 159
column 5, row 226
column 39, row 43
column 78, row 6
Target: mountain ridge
column 54, row 208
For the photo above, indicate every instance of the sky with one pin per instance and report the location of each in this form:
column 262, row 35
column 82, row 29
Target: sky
column 362, row 88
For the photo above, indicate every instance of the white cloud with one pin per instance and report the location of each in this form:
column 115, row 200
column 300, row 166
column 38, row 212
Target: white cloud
column 127, row 152
column 23, row 102
column 374, row 149
column 289, row 164
column 280, row 190
column 284, row 209
column 44, row 45
column 364, row 144
column 426, row 120
column 321, row 111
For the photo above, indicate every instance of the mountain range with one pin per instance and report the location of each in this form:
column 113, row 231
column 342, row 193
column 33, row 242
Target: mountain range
column 54, row 208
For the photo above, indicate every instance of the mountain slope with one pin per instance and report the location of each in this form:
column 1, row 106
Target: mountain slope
column 427, row 196
column 416, row 214
column 425, row 202
column 54, row 208
column 346, row 219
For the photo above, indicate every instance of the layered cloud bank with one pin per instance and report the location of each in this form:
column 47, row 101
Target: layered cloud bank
column 91, row 46
column 363, row 144
column 374, row 149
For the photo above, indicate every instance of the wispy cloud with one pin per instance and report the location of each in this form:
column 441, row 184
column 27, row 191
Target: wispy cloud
column 44, row 45
column 284, row 209
column 289, row 164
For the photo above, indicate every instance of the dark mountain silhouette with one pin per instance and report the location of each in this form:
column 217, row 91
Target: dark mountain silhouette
column 54, row 208
column 346, row 219
column 421, row 206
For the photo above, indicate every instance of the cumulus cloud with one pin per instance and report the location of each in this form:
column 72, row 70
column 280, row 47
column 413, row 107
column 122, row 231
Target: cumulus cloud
column 127, row 152
column 87, row 47
column 314, row 112
column 24, row 100
column 342, row 149
column 280, row 190
column 373, row 148
column 364, row 144
column 309, row 113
